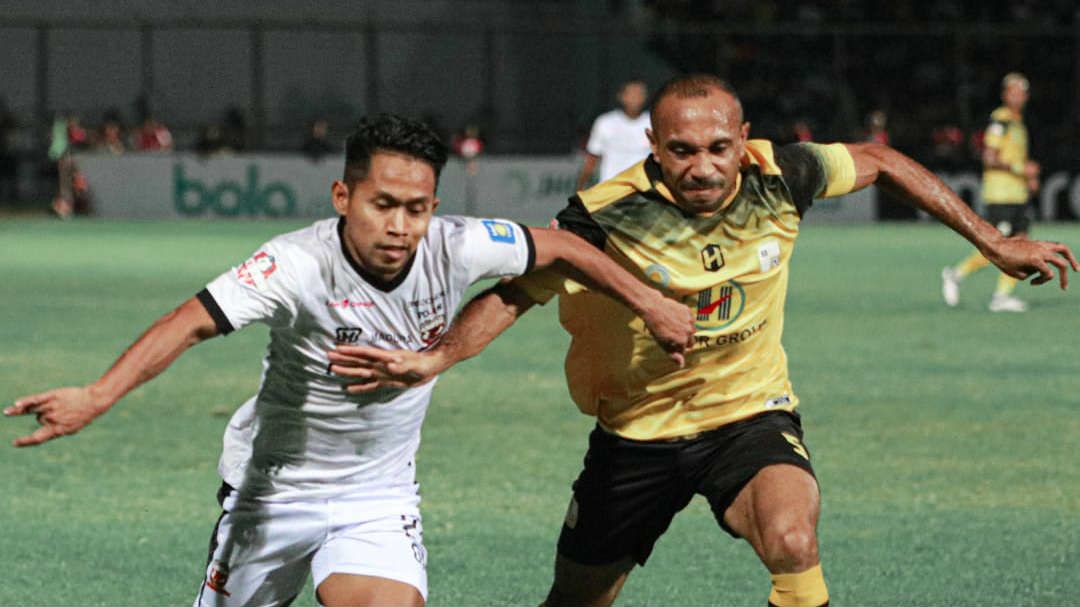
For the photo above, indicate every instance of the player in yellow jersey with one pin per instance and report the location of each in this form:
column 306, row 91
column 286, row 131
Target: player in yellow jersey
column 1009, row 179
column 709, row 217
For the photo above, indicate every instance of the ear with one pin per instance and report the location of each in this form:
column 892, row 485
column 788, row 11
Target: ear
column 434, row 204
column 652, row 143
column 744, row 132
column 339, row 195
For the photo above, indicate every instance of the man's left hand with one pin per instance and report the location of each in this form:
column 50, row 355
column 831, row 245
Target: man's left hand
column 1022, row 258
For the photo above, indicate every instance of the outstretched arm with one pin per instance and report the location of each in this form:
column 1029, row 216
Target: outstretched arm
column 65, row 411
column 910, row 181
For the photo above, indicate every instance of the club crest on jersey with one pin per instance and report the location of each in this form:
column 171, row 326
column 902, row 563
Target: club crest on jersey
column 256, row 270
column 499, row 231
column 718, row 307
column 712, row 257
column 431, row 317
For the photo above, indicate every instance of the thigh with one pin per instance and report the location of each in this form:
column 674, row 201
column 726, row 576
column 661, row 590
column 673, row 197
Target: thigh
column 372, row 557
column 260, row 553
column 777, row 513
column 739, row 453
column 623, row 500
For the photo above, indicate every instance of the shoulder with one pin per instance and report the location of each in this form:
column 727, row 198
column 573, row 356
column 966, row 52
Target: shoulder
column 761, row 153
column 303, row 252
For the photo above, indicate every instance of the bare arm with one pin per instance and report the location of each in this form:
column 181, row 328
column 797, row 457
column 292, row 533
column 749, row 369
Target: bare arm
column 910, row 181
column 493, row 311
column 587, row 169
column 65, row 411
column 483, row 319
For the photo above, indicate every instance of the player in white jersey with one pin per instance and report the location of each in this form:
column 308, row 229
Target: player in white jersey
column 316, row 476
column 617, row 139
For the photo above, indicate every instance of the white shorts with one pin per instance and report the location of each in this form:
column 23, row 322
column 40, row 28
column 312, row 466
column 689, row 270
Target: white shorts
column 260, row 551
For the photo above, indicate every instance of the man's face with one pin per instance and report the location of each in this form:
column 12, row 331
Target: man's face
column 698, row 142
column 632, row 98
column 388, row 212
column 1015, row 95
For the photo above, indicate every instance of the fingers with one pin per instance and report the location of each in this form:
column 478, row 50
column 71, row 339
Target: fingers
column 679, row 358
column 1064, row 251
column 37, row 437
column 28, row 404
column 363, row 355
column 1063, row 271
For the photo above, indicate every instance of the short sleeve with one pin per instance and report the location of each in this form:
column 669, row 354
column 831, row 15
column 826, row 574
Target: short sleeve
column 597, row 141
column 496, row 247
column 261, row 289
column 814, row 170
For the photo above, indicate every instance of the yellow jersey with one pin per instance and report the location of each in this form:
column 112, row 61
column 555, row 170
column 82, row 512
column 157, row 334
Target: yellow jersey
column 730, row 267
column 1008, row 135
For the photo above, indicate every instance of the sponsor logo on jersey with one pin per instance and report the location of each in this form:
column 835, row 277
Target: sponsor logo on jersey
column 256, row 270
column 217, row 577
column 712, row 257
column 348, row 335
column 349, row 303
column 499, row 231
column 718, row 306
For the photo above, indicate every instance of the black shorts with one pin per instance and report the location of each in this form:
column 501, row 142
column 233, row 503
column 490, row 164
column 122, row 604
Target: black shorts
column 630, row 490
column 1009, row 219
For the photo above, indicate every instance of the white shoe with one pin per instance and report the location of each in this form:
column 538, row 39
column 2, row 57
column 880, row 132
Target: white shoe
column 950, row 286
column 1006, row 303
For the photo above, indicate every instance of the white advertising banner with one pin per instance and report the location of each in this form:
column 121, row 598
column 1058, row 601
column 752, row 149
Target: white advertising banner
column 529, row 189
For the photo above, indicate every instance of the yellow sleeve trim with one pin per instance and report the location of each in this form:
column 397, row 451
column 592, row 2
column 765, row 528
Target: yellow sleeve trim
column 839, row 169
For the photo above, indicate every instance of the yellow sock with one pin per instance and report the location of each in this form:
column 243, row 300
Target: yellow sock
column 973, row 263
column 805, row 589
column 1005, row 284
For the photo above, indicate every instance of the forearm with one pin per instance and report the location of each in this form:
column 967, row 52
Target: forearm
column 573, row 257
column 587, row 169
column 910, row 181
column 154, row 351
column 483, row 319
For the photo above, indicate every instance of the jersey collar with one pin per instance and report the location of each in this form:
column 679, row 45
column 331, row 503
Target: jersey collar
column 383, row 285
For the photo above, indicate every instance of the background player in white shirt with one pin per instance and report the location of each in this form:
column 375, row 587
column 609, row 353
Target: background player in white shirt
column 317, row 477
column 617, row 139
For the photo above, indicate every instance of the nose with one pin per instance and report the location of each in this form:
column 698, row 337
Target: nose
column 701, row 167
column 396, row 222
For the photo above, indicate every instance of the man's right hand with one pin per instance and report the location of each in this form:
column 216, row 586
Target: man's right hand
column 672, row 325
column 60, row 412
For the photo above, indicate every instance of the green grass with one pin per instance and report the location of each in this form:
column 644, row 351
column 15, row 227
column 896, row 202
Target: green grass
column 945, row 440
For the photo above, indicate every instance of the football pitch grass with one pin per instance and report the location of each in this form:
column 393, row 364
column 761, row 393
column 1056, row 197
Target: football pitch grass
column 945, row 440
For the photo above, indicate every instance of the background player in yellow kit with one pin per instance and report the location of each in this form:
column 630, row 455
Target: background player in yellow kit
column 1009, row 179
column 710, row 217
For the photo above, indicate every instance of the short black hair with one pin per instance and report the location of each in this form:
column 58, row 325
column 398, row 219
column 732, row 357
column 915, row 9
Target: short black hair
column 391, row 133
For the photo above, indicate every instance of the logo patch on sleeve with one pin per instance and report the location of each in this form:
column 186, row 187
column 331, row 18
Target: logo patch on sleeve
column 256, row 270
column 499, row 231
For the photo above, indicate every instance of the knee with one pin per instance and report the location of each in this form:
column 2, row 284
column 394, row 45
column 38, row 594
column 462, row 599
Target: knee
column 790, row 548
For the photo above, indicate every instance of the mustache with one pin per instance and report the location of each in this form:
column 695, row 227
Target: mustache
column 694, row 183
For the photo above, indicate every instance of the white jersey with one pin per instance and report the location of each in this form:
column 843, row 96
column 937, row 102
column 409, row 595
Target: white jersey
column 619, row 141
column 303, row 436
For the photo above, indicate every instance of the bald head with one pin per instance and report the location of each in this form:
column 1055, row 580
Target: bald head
column 691, row 86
